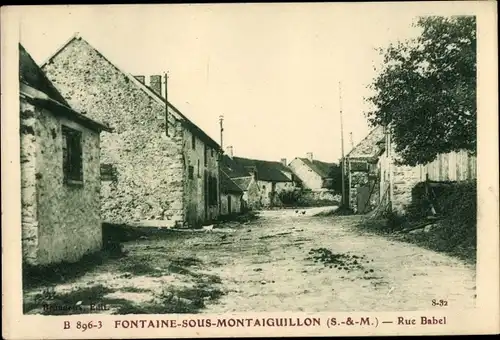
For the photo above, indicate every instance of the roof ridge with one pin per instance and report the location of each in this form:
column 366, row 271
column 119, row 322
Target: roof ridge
column 140, row 85
column 373, row 130
column 75, row 36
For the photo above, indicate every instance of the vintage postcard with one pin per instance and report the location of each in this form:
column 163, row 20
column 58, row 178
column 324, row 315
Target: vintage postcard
column 235, row 170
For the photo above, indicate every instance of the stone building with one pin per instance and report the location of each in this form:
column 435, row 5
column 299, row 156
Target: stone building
column 231, row 196
column 271, row 177
column 363, row 171
column 245, row 180
column 313, row 174
column 163, row 166
column 60, row 181
column 376, row 179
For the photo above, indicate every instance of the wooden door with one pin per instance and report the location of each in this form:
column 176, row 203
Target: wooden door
column 207, row 193
column 229, row 204
column 363, row 196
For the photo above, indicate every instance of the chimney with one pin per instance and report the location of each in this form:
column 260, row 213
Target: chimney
column 310, row 156
column 229, row 151
column 155, row 84
column 283, row 161
column 142, row 79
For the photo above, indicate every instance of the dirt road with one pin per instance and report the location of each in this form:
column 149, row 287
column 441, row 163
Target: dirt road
column 283, row 261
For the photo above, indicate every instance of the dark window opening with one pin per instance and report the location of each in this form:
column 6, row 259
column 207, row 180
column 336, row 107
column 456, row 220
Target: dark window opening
column 213, row 198
column 108, row 172
column 72, row 156
column 205, row 156
column 191, row 172
column 199, row 175
column 193, row 142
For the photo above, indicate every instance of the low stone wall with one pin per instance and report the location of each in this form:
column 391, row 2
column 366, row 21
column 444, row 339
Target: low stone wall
column 309, row 198
column 322, row 195
column 404, row 179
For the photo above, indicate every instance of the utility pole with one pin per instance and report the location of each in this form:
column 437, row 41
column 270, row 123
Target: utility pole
column 221, row 119
column 352, row 142
column 166, row 103
column 342, row 147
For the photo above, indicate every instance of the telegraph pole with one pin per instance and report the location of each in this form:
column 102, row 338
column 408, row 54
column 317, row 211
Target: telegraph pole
column 221, row 119
column 352, row 142
column 342, row 146
column 166, row 103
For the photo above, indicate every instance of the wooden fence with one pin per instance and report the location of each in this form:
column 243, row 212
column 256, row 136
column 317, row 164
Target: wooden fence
column 453, row 166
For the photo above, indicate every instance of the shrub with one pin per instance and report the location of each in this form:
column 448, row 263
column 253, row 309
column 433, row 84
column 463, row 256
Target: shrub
column 292, row 197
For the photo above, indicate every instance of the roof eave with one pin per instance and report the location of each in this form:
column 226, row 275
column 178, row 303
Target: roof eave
column 68, row 112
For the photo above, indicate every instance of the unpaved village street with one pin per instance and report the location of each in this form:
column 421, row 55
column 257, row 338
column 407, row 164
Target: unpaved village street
column 282, row 261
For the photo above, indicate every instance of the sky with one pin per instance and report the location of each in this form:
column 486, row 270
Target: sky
column 272, row 70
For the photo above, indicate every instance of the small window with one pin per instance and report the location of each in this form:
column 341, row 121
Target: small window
column 199, row 168
column 108, row 172
column 191, row 172
column 72, row 155
column 205, row 156
column 212, row 152
column 193, row 142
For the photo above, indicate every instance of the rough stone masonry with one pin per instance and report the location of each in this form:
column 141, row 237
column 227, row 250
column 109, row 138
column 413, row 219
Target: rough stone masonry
column 149, row 165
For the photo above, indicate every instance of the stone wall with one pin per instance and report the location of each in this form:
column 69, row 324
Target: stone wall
column 66, row 217
column 309, row 178
column 252, row 196
column 404, row 179
column 235, row 204
column 269, row 191
column 150, row 165
column 28, row 151
column 196, row 190
column 322, row 195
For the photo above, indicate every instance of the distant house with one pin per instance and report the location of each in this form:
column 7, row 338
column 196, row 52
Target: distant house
column 271, row 177
column 245, row 180
column 231, row 196
column 363, row 169
column 312, row 173
column 60, row 179
column 158, row 165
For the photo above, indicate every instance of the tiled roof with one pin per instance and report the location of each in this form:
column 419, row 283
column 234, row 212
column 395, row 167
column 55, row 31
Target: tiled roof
column 234, row 169
column 266, row 170
column 370, row 147
column 37, row 88
column 32, row 75
column 323, row 169
column 227, row 184
column 243, row 182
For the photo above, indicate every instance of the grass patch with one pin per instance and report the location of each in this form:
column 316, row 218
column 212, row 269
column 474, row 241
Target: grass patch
column 133, row 290
column 340, row 211
column 454, row 233
column 40, row 276
column 77, row 301
column 186, row 261
column 174, row 300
